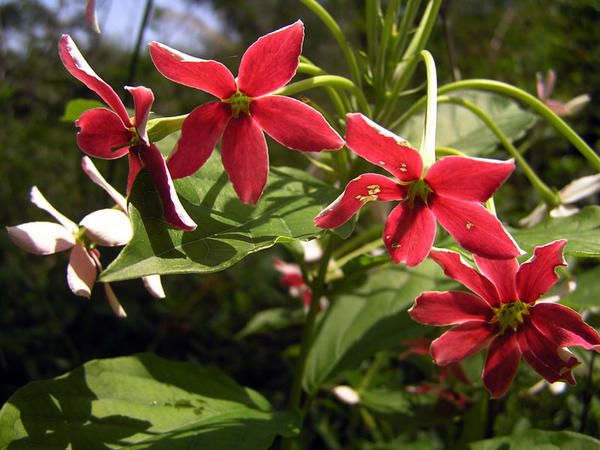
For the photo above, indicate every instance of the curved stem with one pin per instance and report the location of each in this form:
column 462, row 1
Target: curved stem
column 427, row 149
column 334, row 81
column 336, row 99
column 548, row 195
column 338, row 35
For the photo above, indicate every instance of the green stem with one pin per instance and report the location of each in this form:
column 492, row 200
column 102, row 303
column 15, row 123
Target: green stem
column 428, row 143
column 380, row 60
column 334, row 81
column 336, row 99
column 338, row 35
column 360, row 251
column 357, row 240
column 548, row 195
column 317, row 288
column 524, row 97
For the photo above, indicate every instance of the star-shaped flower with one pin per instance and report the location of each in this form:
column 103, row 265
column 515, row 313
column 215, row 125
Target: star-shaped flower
column 451, row 192
column 246, row 109
column 503, row 314
column 110, row 134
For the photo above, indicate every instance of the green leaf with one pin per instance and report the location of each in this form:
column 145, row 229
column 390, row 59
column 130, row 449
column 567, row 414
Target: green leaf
column 271, row 320
column 75, row 108
column 460, row 129
column 161, row 127
column 228, row 230
column 587, row 292
column 539, row 439
column 143, row 400
column 369, row 318
column 582, row 231
column 385, row 401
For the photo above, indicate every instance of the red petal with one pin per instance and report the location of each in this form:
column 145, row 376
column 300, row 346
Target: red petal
column 245, row 158
column 382, row 148
column 206, row 75
column 472, row 179
column 502, row 273
column 77, row 66
column 461, row 341
column 102, row 134
column 294, row 124
column 473, row 227
column 501, row 364
column 541, row 353
column 135, row 165
column 564, row 326
column 537, row 275
column 456, row 268
column 142, row 101
column 449, row 308
column 271, row 62
column 200, row 132
column 173, row 210
column 409, row 233
column 347, row 204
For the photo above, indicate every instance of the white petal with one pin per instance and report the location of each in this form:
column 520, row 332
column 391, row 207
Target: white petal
column 113, row 301
column 41, row 238
column 563, row 211
column 36, row 197
column 558, row 387
column 154, row 286
column 92, row 172
column 312, row 250
column 286, row 268
column 81, row 272
column 578, row 103
column 535, row 216
column 107, row 227
column 580, row 188
column 346, row 394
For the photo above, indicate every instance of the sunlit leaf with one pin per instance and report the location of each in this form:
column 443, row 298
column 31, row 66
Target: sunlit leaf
column 532, row 439
column 77, row 107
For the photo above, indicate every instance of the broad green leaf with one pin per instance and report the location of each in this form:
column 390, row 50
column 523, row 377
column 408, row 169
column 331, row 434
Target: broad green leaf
column 143, row 400
column 459, row 128
column 587, row 293
column 539, row 439
column 385, row 401
column 582, row 231
column 161, row 127
column 369, row 318
column 228, row 230
column 77, row 107
column 271, row 320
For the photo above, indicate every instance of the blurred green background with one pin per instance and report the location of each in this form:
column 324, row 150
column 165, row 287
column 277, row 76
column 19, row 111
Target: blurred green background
column 45, row 330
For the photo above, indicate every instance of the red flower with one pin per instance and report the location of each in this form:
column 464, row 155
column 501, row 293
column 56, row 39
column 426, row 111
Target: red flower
column 111, row 134
column 503, row 316
column 451, row 191
column 293, row 279
column 244, row 111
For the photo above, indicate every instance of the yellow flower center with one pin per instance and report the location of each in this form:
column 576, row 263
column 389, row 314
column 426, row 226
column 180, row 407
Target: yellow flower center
column 239, row 102
column 510, row 315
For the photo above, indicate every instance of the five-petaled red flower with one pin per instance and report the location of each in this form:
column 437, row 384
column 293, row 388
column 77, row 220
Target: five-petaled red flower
column 112, row 134
column 246, row 109
column 451, row 191
column 502, row 314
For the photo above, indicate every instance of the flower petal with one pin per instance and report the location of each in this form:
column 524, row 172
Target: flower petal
column 153, row 284
column 135, row 165
column 77, row 66
column 366, row 187
column 537, row 276
column 41, row 238
column 113, row 301
column 544, row 356
column 382, row 148
column 93, row 174
column 564, row 326
column 91, row 16
column 473, row 227
column 449, row 308
column 409, row 233
column 245, row 158
column 580, row 188
column 36, row 197
column 200, row 132
column 102, row 134
column 461, row 341
column 455, row 267
column 294, row 124
column 206, row 75
column 81, row 272
column 271, row 62
column 471, row 179
column 107, row 227
column 501, row 364
column 173, row 210
column 143, row 98
column 502, row 273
